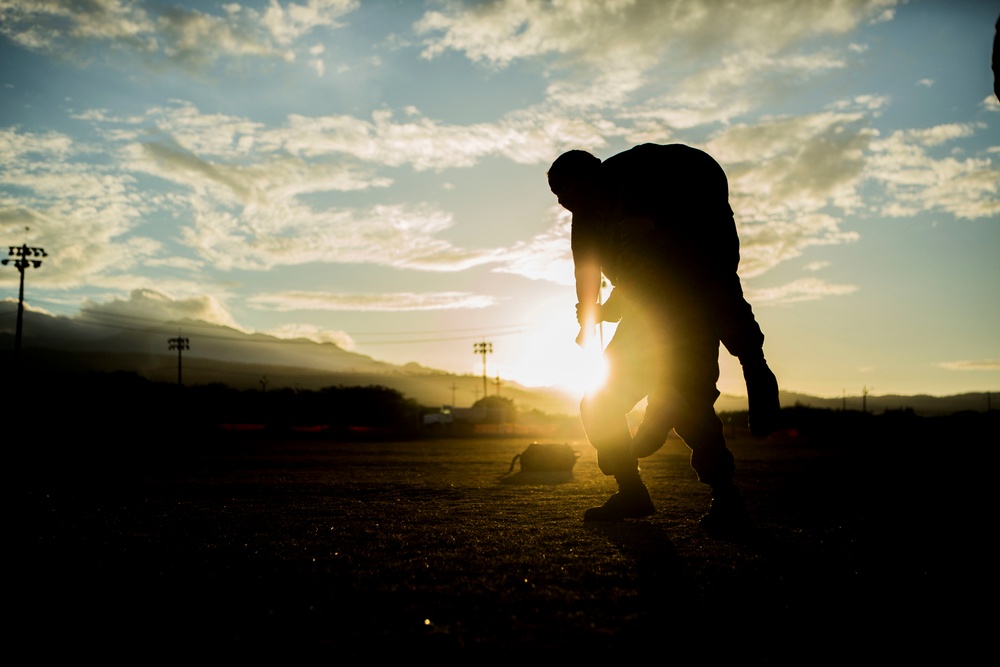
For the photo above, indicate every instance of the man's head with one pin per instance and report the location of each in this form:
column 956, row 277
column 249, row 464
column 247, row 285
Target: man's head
column 575, row 179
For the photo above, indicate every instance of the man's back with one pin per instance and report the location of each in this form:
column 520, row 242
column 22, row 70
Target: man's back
column 672, row 219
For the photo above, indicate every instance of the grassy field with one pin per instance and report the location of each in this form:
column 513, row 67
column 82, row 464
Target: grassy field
column 430, row 551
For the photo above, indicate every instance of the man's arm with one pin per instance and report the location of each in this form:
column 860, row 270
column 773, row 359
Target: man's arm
column 587, row 272
column 588, row 294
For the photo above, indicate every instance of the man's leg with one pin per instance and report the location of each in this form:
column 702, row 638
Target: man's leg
column 715, row 465
column 604, row 418
column 664, row 407
column 603, row 413
column 702, row 431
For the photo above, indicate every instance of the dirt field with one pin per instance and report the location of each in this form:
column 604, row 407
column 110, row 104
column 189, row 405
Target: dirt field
column 426, row 550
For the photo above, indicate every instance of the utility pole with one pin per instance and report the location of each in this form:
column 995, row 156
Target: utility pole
column 483, row 348
column 497, row 383
column 22, row 260
column 180, row 344
column 453, row 388
column 263, row 384
column 864, row 398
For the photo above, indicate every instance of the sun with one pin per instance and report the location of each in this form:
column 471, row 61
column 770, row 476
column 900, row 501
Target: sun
column 552, row 359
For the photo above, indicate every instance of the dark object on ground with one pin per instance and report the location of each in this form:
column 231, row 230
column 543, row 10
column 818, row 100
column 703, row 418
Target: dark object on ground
column 539, row 457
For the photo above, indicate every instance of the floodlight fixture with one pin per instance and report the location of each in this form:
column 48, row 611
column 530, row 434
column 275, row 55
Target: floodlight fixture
column 21, row 262
column 483, row 348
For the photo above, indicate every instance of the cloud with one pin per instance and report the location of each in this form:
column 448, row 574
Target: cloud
column 546, row 256
column 168, row 33
column 265, row 237
column 48, row 26
column 789, row 180
column 917, row 181
column 195, row 39
column 610, row 49
column 288, row 23
column 244, row 186
column 243, row 193
column 816, row 266
column 357, row 302
column 312, row 332
column 525, row 136
column 972, row 365
column 86, row 209
column 794, row 179
column 145, row 306
column 623, row 30
column 805, row 289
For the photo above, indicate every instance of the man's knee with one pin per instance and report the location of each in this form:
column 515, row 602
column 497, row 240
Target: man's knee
column 598, row 413
column 607, row 429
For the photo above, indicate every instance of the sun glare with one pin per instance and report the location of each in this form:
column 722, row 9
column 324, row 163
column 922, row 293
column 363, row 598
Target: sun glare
column 552, row 359
column 593, row 368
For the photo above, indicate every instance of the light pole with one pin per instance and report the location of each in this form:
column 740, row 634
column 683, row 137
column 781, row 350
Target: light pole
column 180, row 344
column 22, row 260
column 483, row 348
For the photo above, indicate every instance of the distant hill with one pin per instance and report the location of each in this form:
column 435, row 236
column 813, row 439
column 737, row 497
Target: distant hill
column 220, row 354
column 244, row 361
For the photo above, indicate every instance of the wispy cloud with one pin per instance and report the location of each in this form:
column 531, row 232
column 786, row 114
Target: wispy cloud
column 399, row 301
column 916, row 181
column 805, row 289
column 791, row 180
column 618, row 43
column 816, row 266
column 85, row 208
column 501, row 32
column 972, row 365
column 314, row 333
column 146, row 305
column 546, row 256
column 252, row 195
column 170, row 34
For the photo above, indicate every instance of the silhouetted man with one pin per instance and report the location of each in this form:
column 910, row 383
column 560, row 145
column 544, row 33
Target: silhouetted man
column 656, row 221
column 995, row 60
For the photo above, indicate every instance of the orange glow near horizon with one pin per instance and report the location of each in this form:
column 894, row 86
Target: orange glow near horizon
column 550, row 358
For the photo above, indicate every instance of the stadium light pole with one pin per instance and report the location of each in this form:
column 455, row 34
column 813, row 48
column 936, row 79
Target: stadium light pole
column 180, row 344
column 23, row 258
column 483, row 348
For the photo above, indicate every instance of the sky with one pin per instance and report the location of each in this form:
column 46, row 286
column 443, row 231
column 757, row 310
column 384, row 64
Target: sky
column 373, row 173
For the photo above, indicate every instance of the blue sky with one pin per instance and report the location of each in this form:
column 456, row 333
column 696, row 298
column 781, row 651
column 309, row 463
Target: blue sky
column 372, row 173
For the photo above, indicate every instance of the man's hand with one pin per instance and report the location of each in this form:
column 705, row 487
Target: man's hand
column 588, row 314
column 762, row 394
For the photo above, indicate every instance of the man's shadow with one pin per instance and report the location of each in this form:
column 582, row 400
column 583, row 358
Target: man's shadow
column 668, row 592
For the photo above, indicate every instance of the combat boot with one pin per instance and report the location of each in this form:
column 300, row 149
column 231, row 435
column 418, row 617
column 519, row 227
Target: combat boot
column 632, row 501
column 728, row 514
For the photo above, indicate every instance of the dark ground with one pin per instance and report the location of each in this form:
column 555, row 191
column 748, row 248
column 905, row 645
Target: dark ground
column 425, row 550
